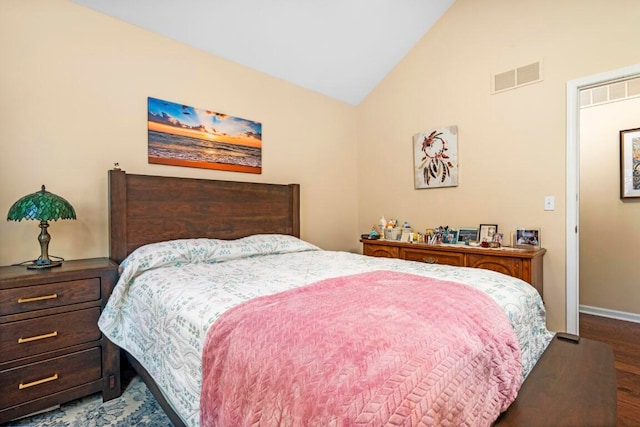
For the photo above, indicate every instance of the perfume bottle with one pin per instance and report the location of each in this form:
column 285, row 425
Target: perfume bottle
column 383, row 225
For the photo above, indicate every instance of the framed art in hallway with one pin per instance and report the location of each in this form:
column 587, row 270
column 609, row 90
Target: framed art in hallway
column 630, row 163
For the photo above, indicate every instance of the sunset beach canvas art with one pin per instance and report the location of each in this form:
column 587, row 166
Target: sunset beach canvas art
column 180, row 135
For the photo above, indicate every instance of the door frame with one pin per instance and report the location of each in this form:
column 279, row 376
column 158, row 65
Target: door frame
column 573, row 185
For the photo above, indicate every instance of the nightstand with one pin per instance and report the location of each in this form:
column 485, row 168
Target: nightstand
column 52, row 350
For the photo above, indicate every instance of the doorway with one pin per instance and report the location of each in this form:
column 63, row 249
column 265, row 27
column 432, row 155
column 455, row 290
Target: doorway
column 572, row 185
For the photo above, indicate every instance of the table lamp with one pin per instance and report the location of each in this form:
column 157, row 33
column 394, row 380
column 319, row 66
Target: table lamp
column 43, row 206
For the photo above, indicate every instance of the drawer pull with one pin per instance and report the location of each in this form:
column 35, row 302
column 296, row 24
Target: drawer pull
column 430, row 260
column 38, row 382
column 38, row 337
column 34, row 299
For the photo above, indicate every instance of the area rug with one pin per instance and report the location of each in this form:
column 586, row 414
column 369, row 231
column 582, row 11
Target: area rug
column 136, row 407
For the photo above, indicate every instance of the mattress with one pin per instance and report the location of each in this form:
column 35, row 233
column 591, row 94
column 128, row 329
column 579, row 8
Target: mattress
column 170, row 293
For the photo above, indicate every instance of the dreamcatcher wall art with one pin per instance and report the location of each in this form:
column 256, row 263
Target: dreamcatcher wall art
column 435, row 158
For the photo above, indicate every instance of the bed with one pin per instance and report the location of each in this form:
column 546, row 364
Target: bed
column 236, row 249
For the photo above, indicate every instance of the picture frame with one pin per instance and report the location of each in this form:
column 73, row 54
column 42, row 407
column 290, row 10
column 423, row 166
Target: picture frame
column 435, row 158
column 181, row 135
column 407, row 235
column 630, row 163
column 486, row 232
column 450, row 237
column 467, row 234
column 527, row 238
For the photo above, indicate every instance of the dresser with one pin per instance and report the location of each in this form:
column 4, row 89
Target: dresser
column 524, row 264
column 51, row 348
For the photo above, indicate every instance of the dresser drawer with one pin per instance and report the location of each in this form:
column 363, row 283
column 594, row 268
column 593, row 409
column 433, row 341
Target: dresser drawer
column 523, row 264
column 433, row 257
column 50, row 376
column 42, row 334
column 381, row 251
column 24, row 299
column 504, row 265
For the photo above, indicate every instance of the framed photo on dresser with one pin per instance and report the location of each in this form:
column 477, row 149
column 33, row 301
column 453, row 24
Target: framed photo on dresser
column 450, row 237
column 528, row 238
column 486, row 232
column 467, row 234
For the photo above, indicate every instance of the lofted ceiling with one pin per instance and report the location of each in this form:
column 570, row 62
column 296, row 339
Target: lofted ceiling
column 339, row 48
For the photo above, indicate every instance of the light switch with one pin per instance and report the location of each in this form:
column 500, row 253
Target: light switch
column 549, row 203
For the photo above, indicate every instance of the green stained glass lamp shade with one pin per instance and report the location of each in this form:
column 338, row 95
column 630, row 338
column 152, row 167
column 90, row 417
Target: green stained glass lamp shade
column 43, row 206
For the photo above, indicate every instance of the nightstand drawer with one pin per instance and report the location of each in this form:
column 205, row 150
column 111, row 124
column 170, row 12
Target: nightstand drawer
column 50, row 376
column 433, row 257
column 42, row 334
column 24, row 299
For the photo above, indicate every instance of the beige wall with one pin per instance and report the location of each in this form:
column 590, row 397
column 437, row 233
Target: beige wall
column 73, row 100
column 609, row 227
column 74, row 83
column 511, row 145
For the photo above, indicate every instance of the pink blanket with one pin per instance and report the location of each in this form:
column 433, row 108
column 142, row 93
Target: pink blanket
column 379, row 348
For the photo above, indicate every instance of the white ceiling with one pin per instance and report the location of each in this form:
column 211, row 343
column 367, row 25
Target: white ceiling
column 339, row 48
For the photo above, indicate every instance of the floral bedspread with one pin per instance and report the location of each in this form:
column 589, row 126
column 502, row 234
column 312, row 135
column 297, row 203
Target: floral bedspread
column 170, row 293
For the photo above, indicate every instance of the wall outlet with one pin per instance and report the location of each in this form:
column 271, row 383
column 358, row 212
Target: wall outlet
column 549, row 203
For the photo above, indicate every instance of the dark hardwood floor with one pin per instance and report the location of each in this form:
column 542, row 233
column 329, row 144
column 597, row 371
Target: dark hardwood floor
column 624, row 338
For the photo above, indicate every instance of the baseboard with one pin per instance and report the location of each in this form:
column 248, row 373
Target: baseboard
column 613, row 314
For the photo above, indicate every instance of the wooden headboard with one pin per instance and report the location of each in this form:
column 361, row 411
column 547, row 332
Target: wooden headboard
column 146, row 209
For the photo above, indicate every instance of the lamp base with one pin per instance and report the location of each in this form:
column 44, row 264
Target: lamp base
column 43, row 260
column 34, row 266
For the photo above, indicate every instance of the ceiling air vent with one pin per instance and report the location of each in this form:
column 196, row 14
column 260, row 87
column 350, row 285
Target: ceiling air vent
column 527, row 74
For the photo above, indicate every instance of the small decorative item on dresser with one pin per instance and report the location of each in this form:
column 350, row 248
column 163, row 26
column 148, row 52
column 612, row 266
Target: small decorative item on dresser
column 392, row 233
column 43, row 206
